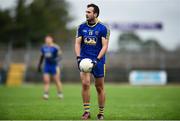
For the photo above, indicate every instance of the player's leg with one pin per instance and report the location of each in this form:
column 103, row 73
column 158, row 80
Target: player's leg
column 46, row 78
column 85, row 77
column 99, row 83
column 57, row 79
column 99, row 73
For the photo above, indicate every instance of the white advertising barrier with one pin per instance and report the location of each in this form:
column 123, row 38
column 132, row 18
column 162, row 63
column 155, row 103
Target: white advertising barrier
column 137, row 77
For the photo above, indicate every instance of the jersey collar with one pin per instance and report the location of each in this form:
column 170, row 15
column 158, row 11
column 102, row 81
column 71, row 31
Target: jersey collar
column 97, row 21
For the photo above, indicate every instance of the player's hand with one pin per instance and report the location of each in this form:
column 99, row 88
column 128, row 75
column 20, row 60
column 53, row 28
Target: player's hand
column 78, row 58
column 95, row 62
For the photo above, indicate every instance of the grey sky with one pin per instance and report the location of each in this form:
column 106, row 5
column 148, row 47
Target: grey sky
column 165, row 11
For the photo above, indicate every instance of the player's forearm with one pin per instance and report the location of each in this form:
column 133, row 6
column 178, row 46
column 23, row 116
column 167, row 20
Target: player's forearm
column 78, row 46
column 102, row 52
column 77, row 49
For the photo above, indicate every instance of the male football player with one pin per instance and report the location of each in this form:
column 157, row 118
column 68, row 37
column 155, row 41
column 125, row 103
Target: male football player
column 51, row 54
column 92, row 42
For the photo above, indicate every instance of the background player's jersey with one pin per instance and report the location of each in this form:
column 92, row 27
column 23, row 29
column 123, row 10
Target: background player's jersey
column 51, row 54
column 91, row 43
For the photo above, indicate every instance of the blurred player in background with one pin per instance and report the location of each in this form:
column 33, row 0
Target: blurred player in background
column 51, row 54
column 92, row 42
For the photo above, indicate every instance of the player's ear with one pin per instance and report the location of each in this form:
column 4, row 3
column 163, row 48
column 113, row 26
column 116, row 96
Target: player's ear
column 95, row 15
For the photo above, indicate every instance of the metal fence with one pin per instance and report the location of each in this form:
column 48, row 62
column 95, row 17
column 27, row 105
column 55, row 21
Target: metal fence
column 118, row 64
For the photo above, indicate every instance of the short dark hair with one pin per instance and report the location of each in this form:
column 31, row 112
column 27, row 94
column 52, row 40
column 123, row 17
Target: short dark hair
column 96, row 8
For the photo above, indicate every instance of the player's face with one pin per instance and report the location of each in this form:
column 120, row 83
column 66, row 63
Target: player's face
column 49, row 40
column 90, row 14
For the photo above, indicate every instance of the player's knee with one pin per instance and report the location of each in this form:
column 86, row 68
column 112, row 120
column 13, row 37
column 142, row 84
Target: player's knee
column 46, row 82
column 99, row 89
column 86, row 84
column 56, row 80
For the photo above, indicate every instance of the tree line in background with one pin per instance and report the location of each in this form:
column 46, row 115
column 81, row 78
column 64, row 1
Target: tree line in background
column 130, row 41
column 31, row 22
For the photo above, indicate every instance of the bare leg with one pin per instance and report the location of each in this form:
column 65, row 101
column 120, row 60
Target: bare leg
column 99, row 83
column 57, row 80
column 85, row 77
column 46, row 78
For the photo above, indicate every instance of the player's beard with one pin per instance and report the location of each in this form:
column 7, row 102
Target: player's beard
column 91, row 21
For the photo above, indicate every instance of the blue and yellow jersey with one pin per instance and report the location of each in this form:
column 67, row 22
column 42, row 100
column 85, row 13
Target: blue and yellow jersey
column 51, row 54
column 91, row 43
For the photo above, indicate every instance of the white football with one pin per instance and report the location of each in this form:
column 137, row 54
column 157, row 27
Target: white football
column 86, row 65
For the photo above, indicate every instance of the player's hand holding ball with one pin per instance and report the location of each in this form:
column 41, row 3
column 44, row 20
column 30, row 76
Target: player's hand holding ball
column 78, row 58
column 95, row 62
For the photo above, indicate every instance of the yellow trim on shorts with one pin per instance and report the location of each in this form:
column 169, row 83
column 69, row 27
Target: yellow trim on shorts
column 104, row 70
column 57, row 70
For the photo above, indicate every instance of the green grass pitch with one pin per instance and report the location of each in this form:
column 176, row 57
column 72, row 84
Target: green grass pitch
column 123, row 102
